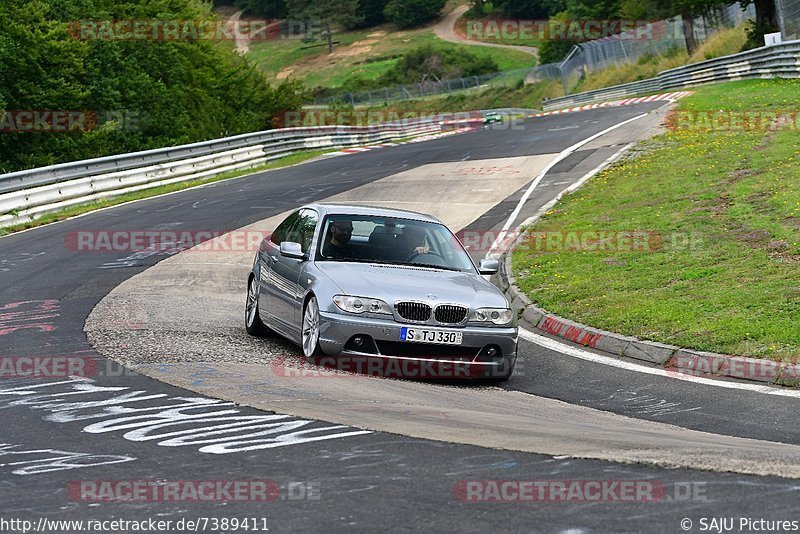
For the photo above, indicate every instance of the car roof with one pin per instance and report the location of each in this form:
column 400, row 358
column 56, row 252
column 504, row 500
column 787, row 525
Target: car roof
column 377, row 211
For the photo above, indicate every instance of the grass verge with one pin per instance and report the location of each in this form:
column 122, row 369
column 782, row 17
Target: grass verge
column 80, row 209
column 720, row 271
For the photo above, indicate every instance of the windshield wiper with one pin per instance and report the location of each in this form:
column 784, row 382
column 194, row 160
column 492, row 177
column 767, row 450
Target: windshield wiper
column 397, row 263
column 406, row 264
column 430, row 266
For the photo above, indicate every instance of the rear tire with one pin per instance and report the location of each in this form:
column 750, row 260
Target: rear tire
column 252, row 319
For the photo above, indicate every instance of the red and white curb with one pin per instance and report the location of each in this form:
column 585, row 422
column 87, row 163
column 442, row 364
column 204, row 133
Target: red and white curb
column 671, row 97
column 431, row 137
column 363, row 149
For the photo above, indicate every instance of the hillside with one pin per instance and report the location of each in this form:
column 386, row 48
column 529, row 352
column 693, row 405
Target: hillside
column 367, row 54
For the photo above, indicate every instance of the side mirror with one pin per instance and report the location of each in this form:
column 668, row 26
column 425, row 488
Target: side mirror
column 293, row 250
column 489, row 266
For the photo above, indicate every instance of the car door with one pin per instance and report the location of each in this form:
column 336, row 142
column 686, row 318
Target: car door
column 268, row 258
column 286, row 272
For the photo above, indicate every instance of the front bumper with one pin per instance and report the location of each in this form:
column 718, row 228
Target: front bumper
column 468, row 360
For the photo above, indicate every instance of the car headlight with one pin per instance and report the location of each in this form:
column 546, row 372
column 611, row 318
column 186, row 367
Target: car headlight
column 361, row 304
column 492, row 315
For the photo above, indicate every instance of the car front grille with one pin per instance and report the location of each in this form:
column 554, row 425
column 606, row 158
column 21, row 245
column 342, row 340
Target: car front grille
column 413, row 311
column 426, row 351
column 449, row 314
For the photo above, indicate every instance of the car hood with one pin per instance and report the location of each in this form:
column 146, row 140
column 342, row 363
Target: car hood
column 391, row 283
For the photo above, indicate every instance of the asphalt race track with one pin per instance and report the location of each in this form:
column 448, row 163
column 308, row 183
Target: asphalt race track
column 122, row 426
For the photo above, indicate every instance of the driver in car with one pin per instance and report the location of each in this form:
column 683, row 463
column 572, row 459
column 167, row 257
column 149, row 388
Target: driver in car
column 337, row 244
column 416, row 240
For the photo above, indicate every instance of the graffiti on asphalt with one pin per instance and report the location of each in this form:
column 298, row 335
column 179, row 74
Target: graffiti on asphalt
column 214, row 426
column 37, row 461
column 35, row 314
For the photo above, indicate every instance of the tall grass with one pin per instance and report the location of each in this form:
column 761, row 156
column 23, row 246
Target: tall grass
column 722, row 43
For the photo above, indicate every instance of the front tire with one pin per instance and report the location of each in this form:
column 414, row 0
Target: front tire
column 311, row 330
column 498, row 376
column 252, row 319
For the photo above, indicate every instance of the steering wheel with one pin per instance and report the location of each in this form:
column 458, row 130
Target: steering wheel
column 430, row 252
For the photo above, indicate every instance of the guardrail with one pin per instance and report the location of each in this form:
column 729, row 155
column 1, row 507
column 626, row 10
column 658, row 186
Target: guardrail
column 26, row 195
column 775, row 61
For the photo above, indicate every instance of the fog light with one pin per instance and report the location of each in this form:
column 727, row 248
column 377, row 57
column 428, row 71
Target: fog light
column 491, row 352
column 358, row 341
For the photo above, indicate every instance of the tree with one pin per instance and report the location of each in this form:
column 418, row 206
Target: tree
column 688, row 11
column 371, row 12
column 326, row 14
column 136, row 94
column 638, row 9
column 766, row 22
column 766, row 14
column 593, row 9
column 411, row 13
column 272, row 9
column 534, row 9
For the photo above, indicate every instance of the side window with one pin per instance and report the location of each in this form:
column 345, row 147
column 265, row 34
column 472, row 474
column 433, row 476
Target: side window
column 283, row 229
column 303, row 232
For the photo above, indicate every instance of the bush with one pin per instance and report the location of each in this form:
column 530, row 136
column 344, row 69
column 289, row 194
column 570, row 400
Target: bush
column 553, row 51
column 755, row 34
column 412, row 13
column 431, row 62
column 427, row 63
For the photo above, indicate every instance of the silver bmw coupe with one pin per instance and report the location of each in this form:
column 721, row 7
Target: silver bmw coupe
column 380, row 284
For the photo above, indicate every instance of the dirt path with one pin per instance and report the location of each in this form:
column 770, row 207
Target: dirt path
column 242, row 41
column 445, row 30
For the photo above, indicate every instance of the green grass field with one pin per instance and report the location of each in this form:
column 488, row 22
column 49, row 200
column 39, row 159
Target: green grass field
column 724, row 209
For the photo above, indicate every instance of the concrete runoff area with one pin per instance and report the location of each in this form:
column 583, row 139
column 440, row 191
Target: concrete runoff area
column 181, row 322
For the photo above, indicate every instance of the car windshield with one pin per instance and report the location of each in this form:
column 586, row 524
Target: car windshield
column 388, row 240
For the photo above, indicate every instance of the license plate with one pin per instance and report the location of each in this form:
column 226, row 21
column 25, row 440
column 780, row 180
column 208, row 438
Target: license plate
column 427, row 335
